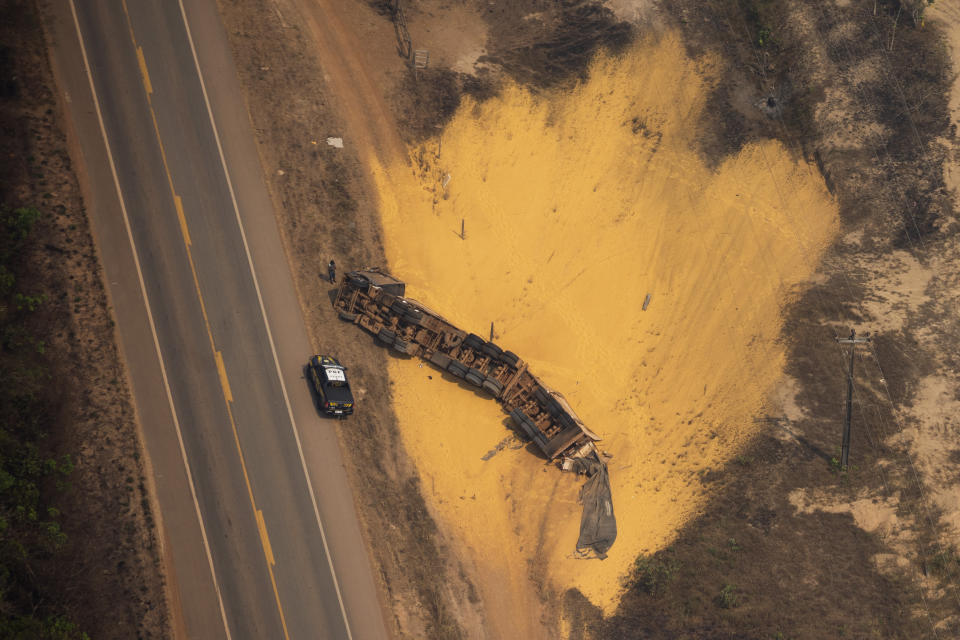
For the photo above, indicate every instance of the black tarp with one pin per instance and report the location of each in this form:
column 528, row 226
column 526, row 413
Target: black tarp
column 598, row 525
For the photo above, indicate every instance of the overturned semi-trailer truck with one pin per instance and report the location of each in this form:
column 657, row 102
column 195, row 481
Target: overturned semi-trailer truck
column 375, row 300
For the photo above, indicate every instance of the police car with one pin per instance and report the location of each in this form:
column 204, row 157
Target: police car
column 329, row 380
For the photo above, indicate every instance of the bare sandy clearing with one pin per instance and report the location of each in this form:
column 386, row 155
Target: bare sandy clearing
column 575, row 207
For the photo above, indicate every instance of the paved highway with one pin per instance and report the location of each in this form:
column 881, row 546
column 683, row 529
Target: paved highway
column 210, row 327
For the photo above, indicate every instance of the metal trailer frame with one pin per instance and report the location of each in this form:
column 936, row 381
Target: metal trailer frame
column 374, row 300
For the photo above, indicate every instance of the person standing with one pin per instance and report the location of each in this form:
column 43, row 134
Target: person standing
column 332, row 271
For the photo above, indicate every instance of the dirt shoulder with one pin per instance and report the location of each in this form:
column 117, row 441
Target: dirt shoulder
column 107, row 576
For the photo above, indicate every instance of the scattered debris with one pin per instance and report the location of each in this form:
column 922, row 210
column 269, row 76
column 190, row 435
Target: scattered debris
column 500, row 447
column 335, row 142
column 420, row 58
column 598, row 525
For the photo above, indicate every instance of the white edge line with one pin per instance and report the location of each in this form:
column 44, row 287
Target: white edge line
column 153, row 329
column 266, row 323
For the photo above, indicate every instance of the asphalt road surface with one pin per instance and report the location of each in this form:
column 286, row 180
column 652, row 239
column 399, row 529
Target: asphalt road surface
column 257, row 520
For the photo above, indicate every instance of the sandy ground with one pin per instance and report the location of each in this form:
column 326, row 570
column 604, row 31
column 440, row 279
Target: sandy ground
column 576, row 205
column 455, row 35
column 946, row 15
column 927, row 424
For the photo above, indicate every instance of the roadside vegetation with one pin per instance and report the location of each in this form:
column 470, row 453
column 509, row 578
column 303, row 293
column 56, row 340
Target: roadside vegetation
column 33, row 477
column 78, row 554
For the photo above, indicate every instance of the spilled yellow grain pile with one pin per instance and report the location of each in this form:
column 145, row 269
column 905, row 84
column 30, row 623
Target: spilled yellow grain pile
column 576, row 205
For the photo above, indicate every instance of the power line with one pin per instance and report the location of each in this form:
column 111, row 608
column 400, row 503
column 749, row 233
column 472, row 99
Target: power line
column 853, row 341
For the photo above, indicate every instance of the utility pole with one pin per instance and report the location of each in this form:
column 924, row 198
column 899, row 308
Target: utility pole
column 853, row 341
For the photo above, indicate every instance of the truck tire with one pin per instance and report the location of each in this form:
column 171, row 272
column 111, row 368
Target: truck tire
column 492, row 350
column 494, row 386
column 542, row 397
column 401, row 345
column 357, row 282
column 473, row 341
column 440, row 359
column 510, row 358
column 527, row 426
column 474, row 377
column 546, row 401
column 387, row 336
column 399, row 307
column 346, row 316
column 457, row 369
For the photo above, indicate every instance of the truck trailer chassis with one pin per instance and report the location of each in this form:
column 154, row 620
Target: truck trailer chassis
column 375, row 301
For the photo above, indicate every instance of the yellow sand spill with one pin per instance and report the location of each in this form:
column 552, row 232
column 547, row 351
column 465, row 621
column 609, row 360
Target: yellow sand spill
column 577, row 204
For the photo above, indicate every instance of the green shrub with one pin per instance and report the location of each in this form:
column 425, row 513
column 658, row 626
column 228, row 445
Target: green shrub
column 652, row 574
column 728, row 598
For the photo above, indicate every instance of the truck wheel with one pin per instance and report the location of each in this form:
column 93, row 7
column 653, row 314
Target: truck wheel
column 526, row 425
column 546, row 401
column 491, row 350
column 473, row 341
column 440, row 359
column 387, row 336
column 347, row 316
column 494, row 386
column 510, row 358
column 401, row 345
column 457, row 369
column 412, row 316
column 474, row 377
column 357, row 282
column 541, row 396
column 398, row 307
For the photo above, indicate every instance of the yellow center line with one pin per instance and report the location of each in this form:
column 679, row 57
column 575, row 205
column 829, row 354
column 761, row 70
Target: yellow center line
column 264, row 541
column 218, row 357
column 143, row 71
column 178, row 203
column 264, row 538
column 224, row 382
column 163, row 151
